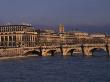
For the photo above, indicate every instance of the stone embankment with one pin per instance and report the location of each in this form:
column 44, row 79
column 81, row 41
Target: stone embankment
column 11, row 52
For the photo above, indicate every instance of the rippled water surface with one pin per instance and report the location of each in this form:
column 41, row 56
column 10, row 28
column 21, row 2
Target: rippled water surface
column 56, row 69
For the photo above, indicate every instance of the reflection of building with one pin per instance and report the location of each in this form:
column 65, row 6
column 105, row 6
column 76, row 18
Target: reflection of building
column 17, row 35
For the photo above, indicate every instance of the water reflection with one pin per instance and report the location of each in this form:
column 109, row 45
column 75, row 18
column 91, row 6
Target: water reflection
column 56, row 69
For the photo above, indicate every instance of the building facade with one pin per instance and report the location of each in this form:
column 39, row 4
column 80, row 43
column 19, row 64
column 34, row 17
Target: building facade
column 98, row 35
column 49, row 38
column 27, row 36
column 17, row 35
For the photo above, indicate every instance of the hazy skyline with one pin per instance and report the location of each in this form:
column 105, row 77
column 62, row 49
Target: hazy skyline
column 52, row 12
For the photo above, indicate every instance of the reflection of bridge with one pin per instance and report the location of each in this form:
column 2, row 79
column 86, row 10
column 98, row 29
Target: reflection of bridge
column 85, row 49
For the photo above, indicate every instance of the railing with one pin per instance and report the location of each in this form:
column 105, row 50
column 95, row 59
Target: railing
column 94, row 44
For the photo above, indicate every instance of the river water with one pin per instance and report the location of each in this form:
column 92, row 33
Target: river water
column 56, row 69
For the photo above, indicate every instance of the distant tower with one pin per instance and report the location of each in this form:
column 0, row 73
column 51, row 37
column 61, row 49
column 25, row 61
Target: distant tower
column 61, row 28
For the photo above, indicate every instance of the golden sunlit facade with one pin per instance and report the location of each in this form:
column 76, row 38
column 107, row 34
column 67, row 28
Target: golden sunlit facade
column 17, row 36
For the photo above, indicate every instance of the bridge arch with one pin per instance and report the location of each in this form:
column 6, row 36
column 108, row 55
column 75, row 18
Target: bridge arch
column 72, row 51
column 32, row 52
column 93, row 50
column 51, row 52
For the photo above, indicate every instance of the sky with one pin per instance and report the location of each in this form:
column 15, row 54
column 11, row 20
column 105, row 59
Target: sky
column 53, row 12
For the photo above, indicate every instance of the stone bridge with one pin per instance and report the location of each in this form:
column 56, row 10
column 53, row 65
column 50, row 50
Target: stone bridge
column 85, row 49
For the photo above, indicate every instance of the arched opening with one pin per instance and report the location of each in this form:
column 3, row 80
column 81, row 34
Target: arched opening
column 33, row 53
column 98, row 52
column 73, row 52
column 51, row 52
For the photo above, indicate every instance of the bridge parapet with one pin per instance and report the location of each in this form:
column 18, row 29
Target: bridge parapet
column 49, row 47
column 71, row 46
column 94, row 45
column 46, row 50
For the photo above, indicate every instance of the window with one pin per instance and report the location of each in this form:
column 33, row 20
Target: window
column 2, row 38
column 23, row 38
column 10, row 38
column 10, row 44
column 14, row 44
column 0, row 29
column 14, row 38
column 6, row 38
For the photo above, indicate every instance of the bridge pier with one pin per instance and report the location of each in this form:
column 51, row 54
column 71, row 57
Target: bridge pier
column 108, row 49
column 65, row 52
column 86, row 52
column 71, row 53
column 40, row 49
column 45, row 53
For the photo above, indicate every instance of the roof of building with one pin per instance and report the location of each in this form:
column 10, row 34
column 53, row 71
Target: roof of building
column 14, row 25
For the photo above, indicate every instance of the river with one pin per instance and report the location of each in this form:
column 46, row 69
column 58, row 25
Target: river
column 56, row 69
